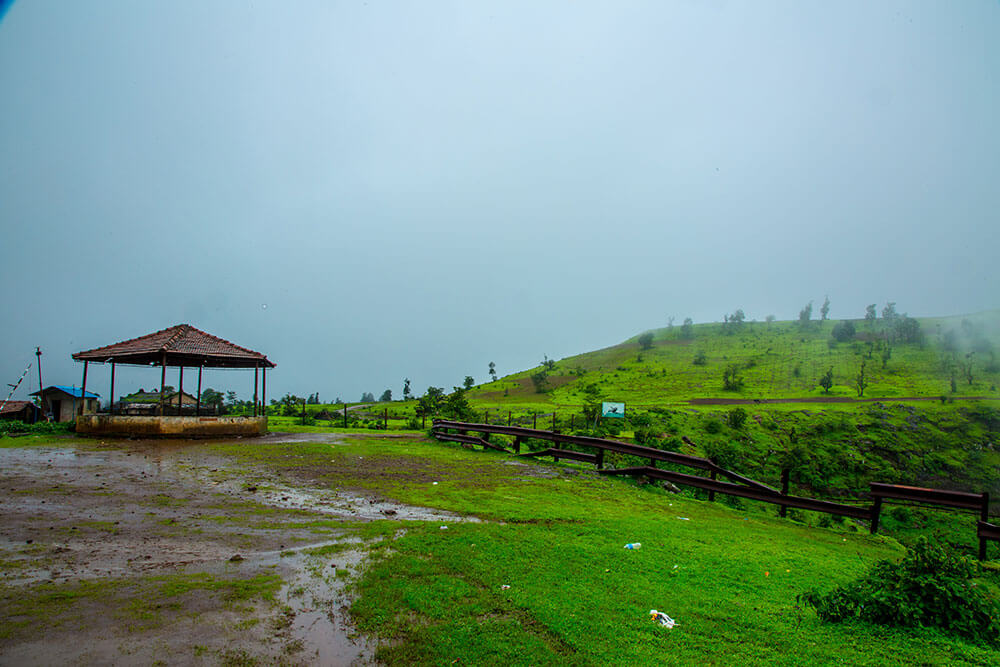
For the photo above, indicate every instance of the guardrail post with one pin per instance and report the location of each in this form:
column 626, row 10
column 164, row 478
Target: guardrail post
column 984, row 516
column 517, row 444
column 508, row 418
column 783, row 511
column 876, row 510
column 534, row 420
column 711, row 494
column 600, row 459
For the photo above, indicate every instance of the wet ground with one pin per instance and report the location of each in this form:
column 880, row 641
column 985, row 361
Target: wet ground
column 94, row 528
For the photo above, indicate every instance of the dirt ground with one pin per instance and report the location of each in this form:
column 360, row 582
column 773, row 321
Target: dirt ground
column 142, row 552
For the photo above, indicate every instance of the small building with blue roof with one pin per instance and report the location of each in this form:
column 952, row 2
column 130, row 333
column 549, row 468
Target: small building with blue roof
column 65, row 404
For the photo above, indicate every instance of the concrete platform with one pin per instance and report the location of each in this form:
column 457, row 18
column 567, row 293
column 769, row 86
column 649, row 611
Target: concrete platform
column 171, row 427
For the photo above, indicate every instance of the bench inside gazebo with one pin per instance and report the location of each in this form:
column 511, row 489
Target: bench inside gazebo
column 182, row 346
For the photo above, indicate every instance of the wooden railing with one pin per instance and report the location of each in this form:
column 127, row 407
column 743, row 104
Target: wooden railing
column 738, row 485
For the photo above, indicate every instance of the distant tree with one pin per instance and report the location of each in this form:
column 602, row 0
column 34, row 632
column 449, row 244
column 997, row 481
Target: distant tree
column 733, row 323
column 824, row 310
column 967, row 367
column 827, row 380
column 646, row 340
column 456, row 405
column 907, row 329
column 731, row 380
column 843, row 331
column 769, row 319
column 736, row 418
column 870, row 315
column 231, row 399
column 805, row 316
column 886, row 354
column 549, row 364
column 406, row 389
column 493, row 372
column 430, row 402
column 670, row 323
column 212, row 399
column 338, row 400
column 469, row 382
column 541, row 381
column 861, row 382
column 687, row 329
column 386, row 396
column 592, row 398
column 889, row 315
column 367, row 397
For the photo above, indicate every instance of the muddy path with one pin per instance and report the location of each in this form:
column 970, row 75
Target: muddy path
column 133, row 552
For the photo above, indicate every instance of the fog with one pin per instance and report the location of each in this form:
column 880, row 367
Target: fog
column 370, row 191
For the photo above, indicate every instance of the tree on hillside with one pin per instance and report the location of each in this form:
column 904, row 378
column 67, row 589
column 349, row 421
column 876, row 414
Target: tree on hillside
column 406, row 389
column 731, row 380
column 468, row 382
column 843, row 331
column 827, row 380
column 733, row 323
column 861, row 382
column 670, row 323
column 687, row 329
column 541, row 381
column 870, row 315
column 493, row 372
column 549, row 364
column 386, row 396
column 646, row 340
column 456, row 405
column 805, row 315
column 430, row 402
column 824, row 310
column 367, row 397
column 770, row 319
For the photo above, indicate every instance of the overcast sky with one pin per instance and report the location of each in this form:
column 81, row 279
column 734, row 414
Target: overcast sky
column 368, row 191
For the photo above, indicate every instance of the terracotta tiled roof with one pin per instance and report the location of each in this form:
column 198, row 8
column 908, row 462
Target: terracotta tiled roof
column 14, row 406
column 179, row 344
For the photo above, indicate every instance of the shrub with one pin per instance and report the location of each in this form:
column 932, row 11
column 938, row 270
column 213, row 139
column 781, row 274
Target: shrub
column 736, row 418
column 700, row 358
column 929, row 587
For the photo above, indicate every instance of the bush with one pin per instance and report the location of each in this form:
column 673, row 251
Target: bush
column 700, row 358
column 736, row 418
column 929, row 587
column 38, row 428
column 844, row 331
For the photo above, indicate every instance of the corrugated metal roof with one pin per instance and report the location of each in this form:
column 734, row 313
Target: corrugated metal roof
column 182, row 343
column 72, row 391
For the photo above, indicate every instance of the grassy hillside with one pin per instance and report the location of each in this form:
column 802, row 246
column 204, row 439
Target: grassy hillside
column 774, row 360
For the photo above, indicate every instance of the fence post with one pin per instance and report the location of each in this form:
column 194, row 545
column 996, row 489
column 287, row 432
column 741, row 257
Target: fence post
column 423, row 421
column 783, row 511
column 534, row 420
column 303, row 413
column 508, row 418
column 385, row 418
column 711, row 494
column 876, row 510
column 600, row 459
column 984, row 516
column 517, row 444
column 487, row 419
column 571, row 421
column 553, row 421
column 345, row 415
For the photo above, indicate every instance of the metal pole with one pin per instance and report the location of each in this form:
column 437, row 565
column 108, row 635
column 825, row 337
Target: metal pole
column 111, row 405
column 263, row 391
column 385, row 419
column 83, row 390
column 41, row 396
column 180, row 390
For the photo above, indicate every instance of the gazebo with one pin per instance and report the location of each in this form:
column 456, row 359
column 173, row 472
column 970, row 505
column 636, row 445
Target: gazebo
column 182, row 346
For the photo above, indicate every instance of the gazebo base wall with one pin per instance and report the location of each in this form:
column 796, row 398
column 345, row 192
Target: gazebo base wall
column 171, row 427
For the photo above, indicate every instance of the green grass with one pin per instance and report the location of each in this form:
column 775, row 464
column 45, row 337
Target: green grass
column 577, row 597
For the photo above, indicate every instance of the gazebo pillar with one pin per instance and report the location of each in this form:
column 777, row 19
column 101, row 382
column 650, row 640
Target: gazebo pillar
column 263, row 391
column 163, row 381
column 180, row 390
column 111, row 404
column 197, row 408
column 255, row 382
column 83, row 391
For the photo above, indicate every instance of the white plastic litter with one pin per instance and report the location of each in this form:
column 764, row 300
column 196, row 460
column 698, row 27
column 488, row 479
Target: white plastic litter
column 634, row 545
column 504, row 587
column 683, row 518
column 662, row 619
column 444, row 527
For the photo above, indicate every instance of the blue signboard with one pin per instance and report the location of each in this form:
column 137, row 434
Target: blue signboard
column 609, row 409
